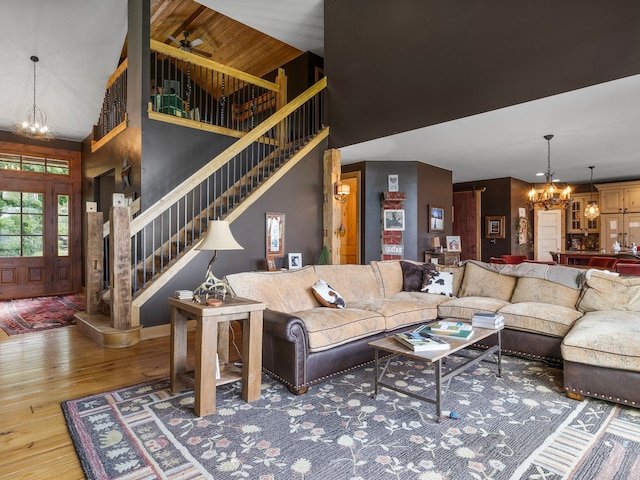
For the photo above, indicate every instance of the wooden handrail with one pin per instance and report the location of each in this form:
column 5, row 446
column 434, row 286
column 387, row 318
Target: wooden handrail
column 121, row 68
column 213, row 65
column 147, row 216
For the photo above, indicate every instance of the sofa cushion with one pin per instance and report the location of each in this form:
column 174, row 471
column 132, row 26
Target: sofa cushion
column 440, row 283
column 330, row 327
column 481, row 282
column 389, row 276
column 464, row 307
column 458, row 275
column 413, row 273
column 543, row 318
column 543, row 291
column 398, row 313
column 354, row 282
column 604, row 291
column 326, row 295
column 293, row 290
column 605, row 339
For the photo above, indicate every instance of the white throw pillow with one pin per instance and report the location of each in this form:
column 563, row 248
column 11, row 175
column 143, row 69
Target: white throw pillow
column 326, row 295
column 438, row 282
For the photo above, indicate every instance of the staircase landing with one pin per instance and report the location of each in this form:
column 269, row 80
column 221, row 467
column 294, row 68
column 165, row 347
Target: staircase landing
column 98, row 328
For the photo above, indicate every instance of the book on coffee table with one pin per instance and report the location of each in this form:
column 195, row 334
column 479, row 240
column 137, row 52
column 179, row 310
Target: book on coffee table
column 421, row 342
column 459, row 330
column 487, row 320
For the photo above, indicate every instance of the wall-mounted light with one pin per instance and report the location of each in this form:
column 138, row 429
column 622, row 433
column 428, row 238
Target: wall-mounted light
column 341, row 191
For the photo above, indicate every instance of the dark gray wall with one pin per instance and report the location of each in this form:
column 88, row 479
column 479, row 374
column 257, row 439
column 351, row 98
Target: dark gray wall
column 397, row 66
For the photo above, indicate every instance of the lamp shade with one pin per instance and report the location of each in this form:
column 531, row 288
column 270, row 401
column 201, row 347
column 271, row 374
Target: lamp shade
column 219, row 237
column 435, row 242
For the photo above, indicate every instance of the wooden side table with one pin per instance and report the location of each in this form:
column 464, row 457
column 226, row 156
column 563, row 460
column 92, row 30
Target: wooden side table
column 203, row 377
column 444, row 258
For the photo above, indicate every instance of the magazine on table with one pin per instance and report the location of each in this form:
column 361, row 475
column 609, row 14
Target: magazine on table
column 421, row 342
column 458, row 330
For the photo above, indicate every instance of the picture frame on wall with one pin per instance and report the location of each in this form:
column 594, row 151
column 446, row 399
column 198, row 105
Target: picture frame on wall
column 393, row 219
column 393, row 184
column 436, row 218
column 295, row 261
column 275, row 234
column 494, row 226
column 453, row 243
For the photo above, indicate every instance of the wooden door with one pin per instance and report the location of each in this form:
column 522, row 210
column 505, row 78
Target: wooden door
column 548, row 233
column 466, row 223
column 350, row 220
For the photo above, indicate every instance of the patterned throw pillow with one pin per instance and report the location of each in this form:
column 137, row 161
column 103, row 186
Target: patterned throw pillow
column 326, row 295
column 438, row 282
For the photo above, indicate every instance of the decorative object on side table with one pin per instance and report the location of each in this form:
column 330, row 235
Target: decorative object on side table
column 295, row 261
column 218, row 237
column 453, row 243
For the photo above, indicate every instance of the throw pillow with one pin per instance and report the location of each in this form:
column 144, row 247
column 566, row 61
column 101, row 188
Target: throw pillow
column 438, row 282
column 412, row 274
column 326, row 295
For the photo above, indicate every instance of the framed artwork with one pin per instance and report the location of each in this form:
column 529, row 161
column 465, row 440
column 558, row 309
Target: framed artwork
column 393, row 185
column 494, row 226
column 275, row 235
column 453, row 243
column 393, row 219
column 436, row 218
column 295, row 261
column 271, row 264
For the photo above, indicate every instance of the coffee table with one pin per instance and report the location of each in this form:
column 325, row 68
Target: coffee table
column 437, row 358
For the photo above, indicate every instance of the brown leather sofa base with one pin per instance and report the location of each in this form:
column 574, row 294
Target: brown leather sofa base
column 620, row 386
column 528, row 345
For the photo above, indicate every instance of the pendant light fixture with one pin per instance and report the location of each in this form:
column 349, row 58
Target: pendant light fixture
column 592, row 210
column 34, row 124
column 551, row 196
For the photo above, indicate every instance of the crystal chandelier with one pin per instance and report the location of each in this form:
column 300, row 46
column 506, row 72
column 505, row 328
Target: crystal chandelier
column 35, row 123
column 551, row 196
column 592, row 210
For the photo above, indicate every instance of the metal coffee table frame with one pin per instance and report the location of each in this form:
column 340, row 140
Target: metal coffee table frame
column 437, row 358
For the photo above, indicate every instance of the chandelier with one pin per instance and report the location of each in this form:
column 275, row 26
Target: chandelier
column 592, row 210
column 34, row 124
column 551, row 196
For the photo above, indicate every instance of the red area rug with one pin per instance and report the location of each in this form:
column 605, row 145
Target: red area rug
column 40, row 313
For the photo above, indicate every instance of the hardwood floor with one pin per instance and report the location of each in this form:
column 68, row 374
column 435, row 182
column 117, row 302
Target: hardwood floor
column 37, row 372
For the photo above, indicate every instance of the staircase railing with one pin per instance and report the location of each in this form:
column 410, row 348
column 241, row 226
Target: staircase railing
column 167, row 230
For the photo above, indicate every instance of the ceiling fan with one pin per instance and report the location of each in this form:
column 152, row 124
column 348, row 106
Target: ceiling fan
column 188, row 46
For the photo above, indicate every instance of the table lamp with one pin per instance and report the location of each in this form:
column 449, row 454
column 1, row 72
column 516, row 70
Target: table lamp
column 435, row 244
column 218, row 237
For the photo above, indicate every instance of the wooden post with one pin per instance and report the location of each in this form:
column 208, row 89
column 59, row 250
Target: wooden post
column 120, row 272
column 330, row 207
column 94, row 263
column 281, row 101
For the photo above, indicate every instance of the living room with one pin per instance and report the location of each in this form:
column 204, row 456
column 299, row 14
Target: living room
column 351, row 121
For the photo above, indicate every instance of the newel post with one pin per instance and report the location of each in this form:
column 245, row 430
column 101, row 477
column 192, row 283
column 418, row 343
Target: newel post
column 120, row 271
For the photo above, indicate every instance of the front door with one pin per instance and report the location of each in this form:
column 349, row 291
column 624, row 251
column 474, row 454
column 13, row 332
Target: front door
column 35, row 252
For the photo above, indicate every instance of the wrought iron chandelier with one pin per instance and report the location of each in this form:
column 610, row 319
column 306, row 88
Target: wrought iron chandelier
column 551, row 196
column 35, row 123
column 592, row 210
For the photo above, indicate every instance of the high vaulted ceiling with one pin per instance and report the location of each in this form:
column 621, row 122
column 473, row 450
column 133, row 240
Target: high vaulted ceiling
column 80, row 42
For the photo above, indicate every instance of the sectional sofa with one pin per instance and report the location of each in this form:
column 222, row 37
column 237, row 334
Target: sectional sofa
column 552, row 313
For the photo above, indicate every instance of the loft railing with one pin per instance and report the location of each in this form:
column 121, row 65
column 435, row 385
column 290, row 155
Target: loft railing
column 177, row 222
column 114, row 106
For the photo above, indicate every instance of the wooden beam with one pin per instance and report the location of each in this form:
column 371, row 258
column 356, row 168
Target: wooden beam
column 330, row 207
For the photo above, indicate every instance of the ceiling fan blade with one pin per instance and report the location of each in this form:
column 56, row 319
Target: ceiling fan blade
column 201, row 52
column 196, row 42
column 174, row 39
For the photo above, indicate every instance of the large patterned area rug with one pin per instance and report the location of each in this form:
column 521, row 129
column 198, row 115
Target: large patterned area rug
column 40, row 313
column 519, row 426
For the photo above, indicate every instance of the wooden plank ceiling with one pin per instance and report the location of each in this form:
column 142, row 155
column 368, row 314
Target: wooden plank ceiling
column 229, row 42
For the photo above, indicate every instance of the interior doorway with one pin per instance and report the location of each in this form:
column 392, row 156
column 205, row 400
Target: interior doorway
column 548, row 236
column 466, row 222
column 349, row 231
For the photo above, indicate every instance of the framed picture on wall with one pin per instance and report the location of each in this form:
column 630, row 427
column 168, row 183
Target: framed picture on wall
column 275, row 235
column 393, row 219
column 436, row 218
column 494, row 226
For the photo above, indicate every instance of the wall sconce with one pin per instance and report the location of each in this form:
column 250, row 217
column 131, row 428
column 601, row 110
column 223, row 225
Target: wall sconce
column 341, row 191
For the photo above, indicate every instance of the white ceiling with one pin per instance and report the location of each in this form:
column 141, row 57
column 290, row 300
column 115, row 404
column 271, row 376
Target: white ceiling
column 79, row 43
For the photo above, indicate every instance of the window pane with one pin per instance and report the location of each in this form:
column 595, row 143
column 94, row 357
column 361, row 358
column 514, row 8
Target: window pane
column 63, row 204
column 59, row 167
column 9, row 246
column 10, row 202
column 63, row 246
column 9, row 162
column 31, row 246
column 32, row 224
column 9, row 224
column 33, row 164
column 63, row 225
column 32, row 202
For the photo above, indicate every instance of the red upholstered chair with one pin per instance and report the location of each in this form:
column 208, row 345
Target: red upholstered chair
column 603, row 262
column 497, row 260
column 628, row 268
column 514, row 259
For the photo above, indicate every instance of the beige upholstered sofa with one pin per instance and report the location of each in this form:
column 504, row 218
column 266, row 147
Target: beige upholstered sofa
column 552, row 313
